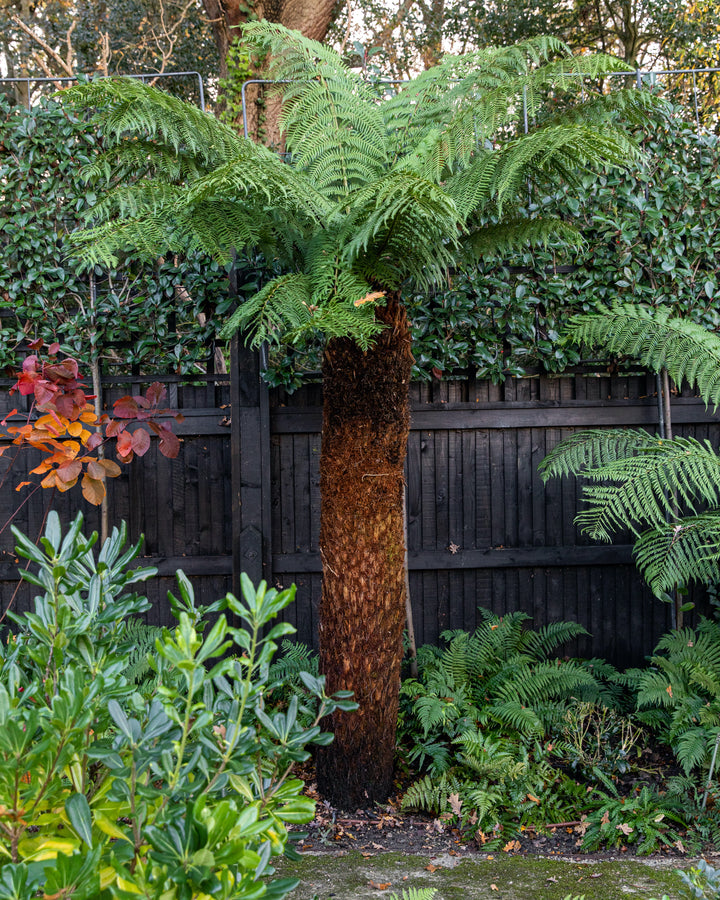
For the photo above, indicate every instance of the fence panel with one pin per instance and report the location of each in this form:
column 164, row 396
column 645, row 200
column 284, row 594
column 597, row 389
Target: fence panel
column 483, row 530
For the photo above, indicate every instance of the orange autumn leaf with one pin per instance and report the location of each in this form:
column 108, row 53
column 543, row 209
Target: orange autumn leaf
column 668, row 690
column 22, row 485
column 369, row 298
column 382, row 886
column 42, row 468
column 49, row 480
column 75, row 429
column 93, row 490
column 112, row 469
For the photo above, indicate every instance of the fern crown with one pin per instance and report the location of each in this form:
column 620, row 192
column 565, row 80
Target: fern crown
column 380, row 188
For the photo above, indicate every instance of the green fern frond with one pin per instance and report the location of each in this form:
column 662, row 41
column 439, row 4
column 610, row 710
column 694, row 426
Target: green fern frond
column 548, row 638
column 333, row 124
column 282, row 303
column 514, row 234
column 657, row 340
column 641, row 490
column 693, row 748
column 414, row 894
column 431, row 794
column 128, row 106
column 587, row 450
column 680, row 552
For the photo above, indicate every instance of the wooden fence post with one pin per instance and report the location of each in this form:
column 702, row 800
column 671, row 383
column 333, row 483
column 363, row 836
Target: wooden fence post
column 250, row 462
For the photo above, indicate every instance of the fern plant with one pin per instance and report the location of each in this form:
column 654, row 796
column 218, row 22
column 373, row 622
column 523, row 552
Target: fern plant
column 379, row 188
column 679, row 693
column 639, row 481
column 476, row 720
column 501, row 677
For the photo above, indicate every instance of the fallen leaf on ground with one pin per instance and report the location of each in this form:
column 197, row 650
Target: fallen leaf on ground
column 432, row 868
column 379, row 886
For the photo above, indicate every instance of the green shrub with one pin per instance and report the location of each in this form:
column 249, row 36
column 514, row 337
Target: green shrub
column 183, row 790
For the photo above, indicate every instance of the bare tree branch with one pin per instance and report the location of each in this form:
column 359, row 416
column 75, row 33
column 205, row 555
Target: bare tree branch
column 54, row 56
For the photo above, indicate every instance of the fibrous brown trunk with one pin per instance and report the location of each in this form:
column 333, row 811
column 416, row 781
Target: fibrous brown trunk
column 366, row 421
column 311, row 17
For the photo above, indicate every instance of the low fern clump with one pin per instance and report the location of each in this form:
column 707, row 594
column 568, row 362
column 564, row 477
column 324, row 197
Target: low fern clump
column 479, row 722
column 678, row 694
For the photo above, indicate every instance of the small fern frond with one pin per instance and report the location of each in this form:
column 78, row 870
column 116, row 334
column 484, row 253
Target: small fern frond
column 545, row 640
column 586, row 450
column 693, row 747
column 680, row 552
column 414, row 894
column 430, row 794
column 657, row 340
column 283, row 302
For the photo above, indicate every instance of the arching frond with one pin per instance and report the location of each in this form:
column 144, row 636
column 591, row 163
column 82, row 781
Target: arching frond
column 127, row 106
column 643, row 489
column 258, row 173
column 333, row 125
column 384, row 216
column 680, row 552
column 513, row 234
column 593, row 449
column 657, row 340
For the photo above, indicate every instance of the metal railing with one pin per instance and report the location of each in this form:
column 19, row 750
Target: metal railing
column 143, row 76
column 644, row 79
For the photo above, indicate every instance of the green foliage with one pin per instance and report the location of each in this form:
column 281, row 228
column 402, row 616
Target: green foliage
column 680, row 692
column 184, row 790
column 381, row 188
column 477, row 718
column 651, row 234
column 634, row 480
column 134, row 314
column 414, row 894
column 701, row 881
column 499, row 675
column 496, row 786
column 644, row 820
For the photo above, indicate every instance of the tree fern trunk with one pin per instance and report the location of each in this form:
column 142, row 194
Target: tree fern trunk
column 366, row 421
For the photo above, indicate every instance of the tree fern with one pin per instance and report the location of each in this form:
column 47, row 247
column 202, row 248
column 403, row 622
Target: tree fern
column 390, row 183
column 638, row 481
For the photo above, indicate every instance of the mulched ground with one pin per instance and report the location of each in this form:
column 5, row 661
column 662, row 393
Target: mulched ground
column 387, row 829
column 392, row 831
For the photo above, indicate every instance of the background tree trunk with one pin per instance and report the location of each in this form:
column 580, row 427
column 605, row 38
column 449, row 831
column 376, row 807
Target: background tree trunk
column 311, row 17
column 366, row 421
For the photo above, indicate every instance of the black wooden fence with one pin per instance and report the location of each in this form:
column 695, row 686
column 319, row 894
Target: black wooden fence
column 482, row 528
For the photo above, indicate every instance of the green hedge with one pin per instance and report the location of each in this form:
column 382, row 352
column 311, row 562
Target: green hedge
column 652, row 235
column 146, row 316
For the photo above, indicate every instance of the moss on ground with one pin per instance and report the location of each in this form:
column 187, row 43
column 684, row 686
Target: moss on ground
column 354, row 877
